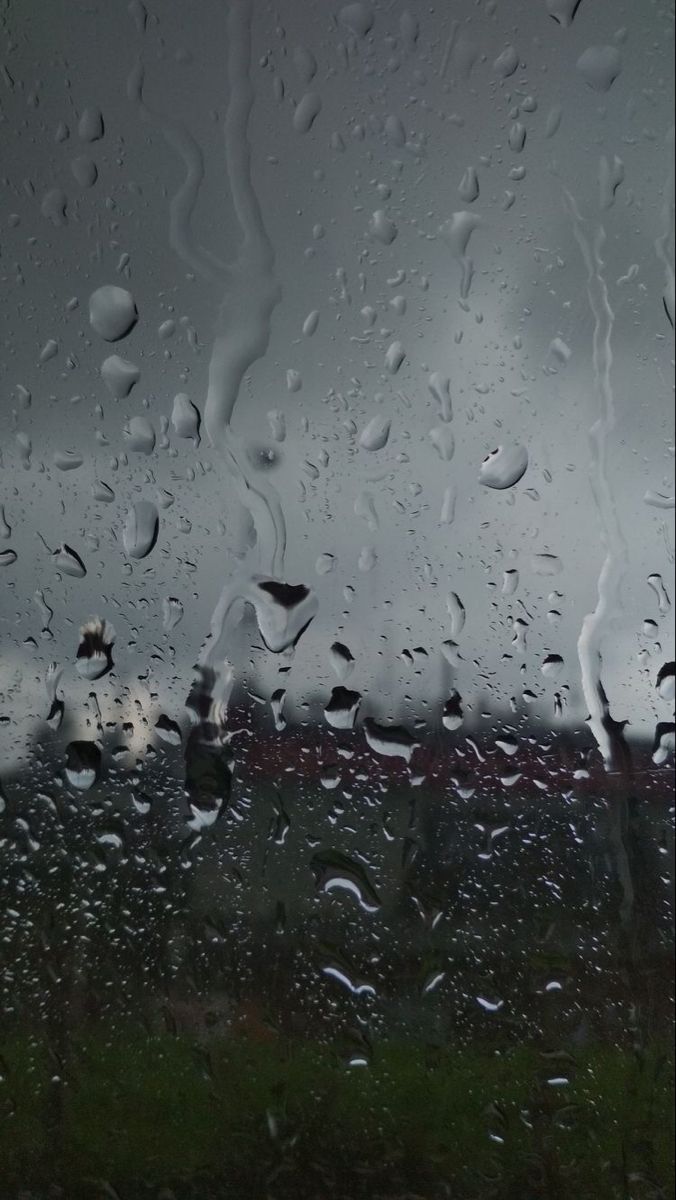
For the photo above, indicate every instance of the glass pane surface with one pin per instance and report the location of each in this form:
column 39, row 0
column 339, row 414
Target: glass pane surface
column 336, row 586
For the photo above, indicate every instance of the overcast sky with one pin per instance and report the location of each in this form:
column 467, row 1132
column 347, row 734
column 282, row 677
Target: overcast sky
column 358, row 210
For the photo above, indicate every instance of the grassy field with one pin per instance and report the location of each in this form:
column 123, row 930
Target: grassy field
column 235, row 1118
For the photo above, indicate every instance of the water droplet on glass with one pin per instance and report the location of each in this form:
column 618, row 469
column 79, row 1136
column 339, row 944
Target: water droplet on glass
column 140, row 529
column 335, row 871
column 140, row 435
column 563, row 11
column 306, row 112
column 392, row 741
column 358, row 18
column 546, row 564
column 443, row 441
column 341, row 710
column 90, row 125
column 83, row 765
column 666, row 681
column 70, row 563
column 67, row 460
column 95, row 651
column 452, row 716
column 504, row 467
column 382, row 227
column 456, row 611
column 375, row 435
column 506, row 62
column 112, row 312
column 600, row 66
column 656, row 582
column 167, row 730
column 468, row 188
column 394, row 357
column 119, row 376
column 283, row 611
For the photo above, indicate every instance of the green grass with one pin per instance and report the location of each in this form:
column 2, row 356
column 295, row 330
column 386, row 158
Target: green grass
column 166, row 1110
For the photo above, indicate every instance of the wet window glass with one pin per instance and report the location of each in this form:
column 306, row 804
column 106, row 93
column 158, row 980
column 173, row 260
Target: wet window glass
column 336, row 587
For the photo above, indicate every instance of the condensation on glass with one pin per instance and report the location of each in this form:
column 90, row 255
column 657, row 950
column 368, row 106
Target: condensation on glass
column 336, row 585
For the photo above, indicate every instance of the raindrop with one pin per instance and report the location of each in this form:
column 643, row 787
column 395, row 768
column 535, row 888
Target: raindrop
column 657, row 584
column 70, row 563
column 67, row 460
column 468, row 188
column 452, row 716
column 394, row 357
column 546, row 564
column 341, row 660
column 172, row 613
column 443, row 441
column 358, row 18
column 456, row 611
column 600, row 66
column 306, row 112
column 119, row 376
column 334, row 871
column 140, row 435
column 382, row 227
column 341, row 710
column 283, row 611
column 112, row 312
column 510, row 582
column 310, row 323
column 90, row 125
column 167, row 730
column 506, row 62
column 84, row 171
column 563, row 11
column 504, row 467
column 665, row 682
column 83, row 765
column 95, row 651
column 141, row 528
column 552, row 666
column 392, row 741
column 375, row 435
column 185, row 417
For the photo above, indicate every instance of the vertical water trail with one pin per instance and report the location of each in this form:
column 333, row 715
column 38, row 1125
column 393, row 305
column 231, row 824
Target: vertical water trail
column 608, row 732
column 183, row 201
column 251, row 293
column 250, row 289
column 664, row 244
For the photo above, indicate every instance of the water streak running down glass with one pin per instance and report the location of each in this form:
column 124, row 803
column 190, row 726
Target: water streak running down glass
column 336, row 584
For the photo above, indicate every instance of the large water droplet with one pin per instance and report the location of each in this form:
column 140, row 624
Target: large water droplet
column 600, row 66
column 283, row 611
column 358, row 18
column 112, row 312
column 95, row 651
column 337, row 872
column 83, row 765
column 375, row 435
column 70, row 563
column 341, row 710
column 392, row 741
column 141, row 528
column 504, row 467
column 119, row 376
